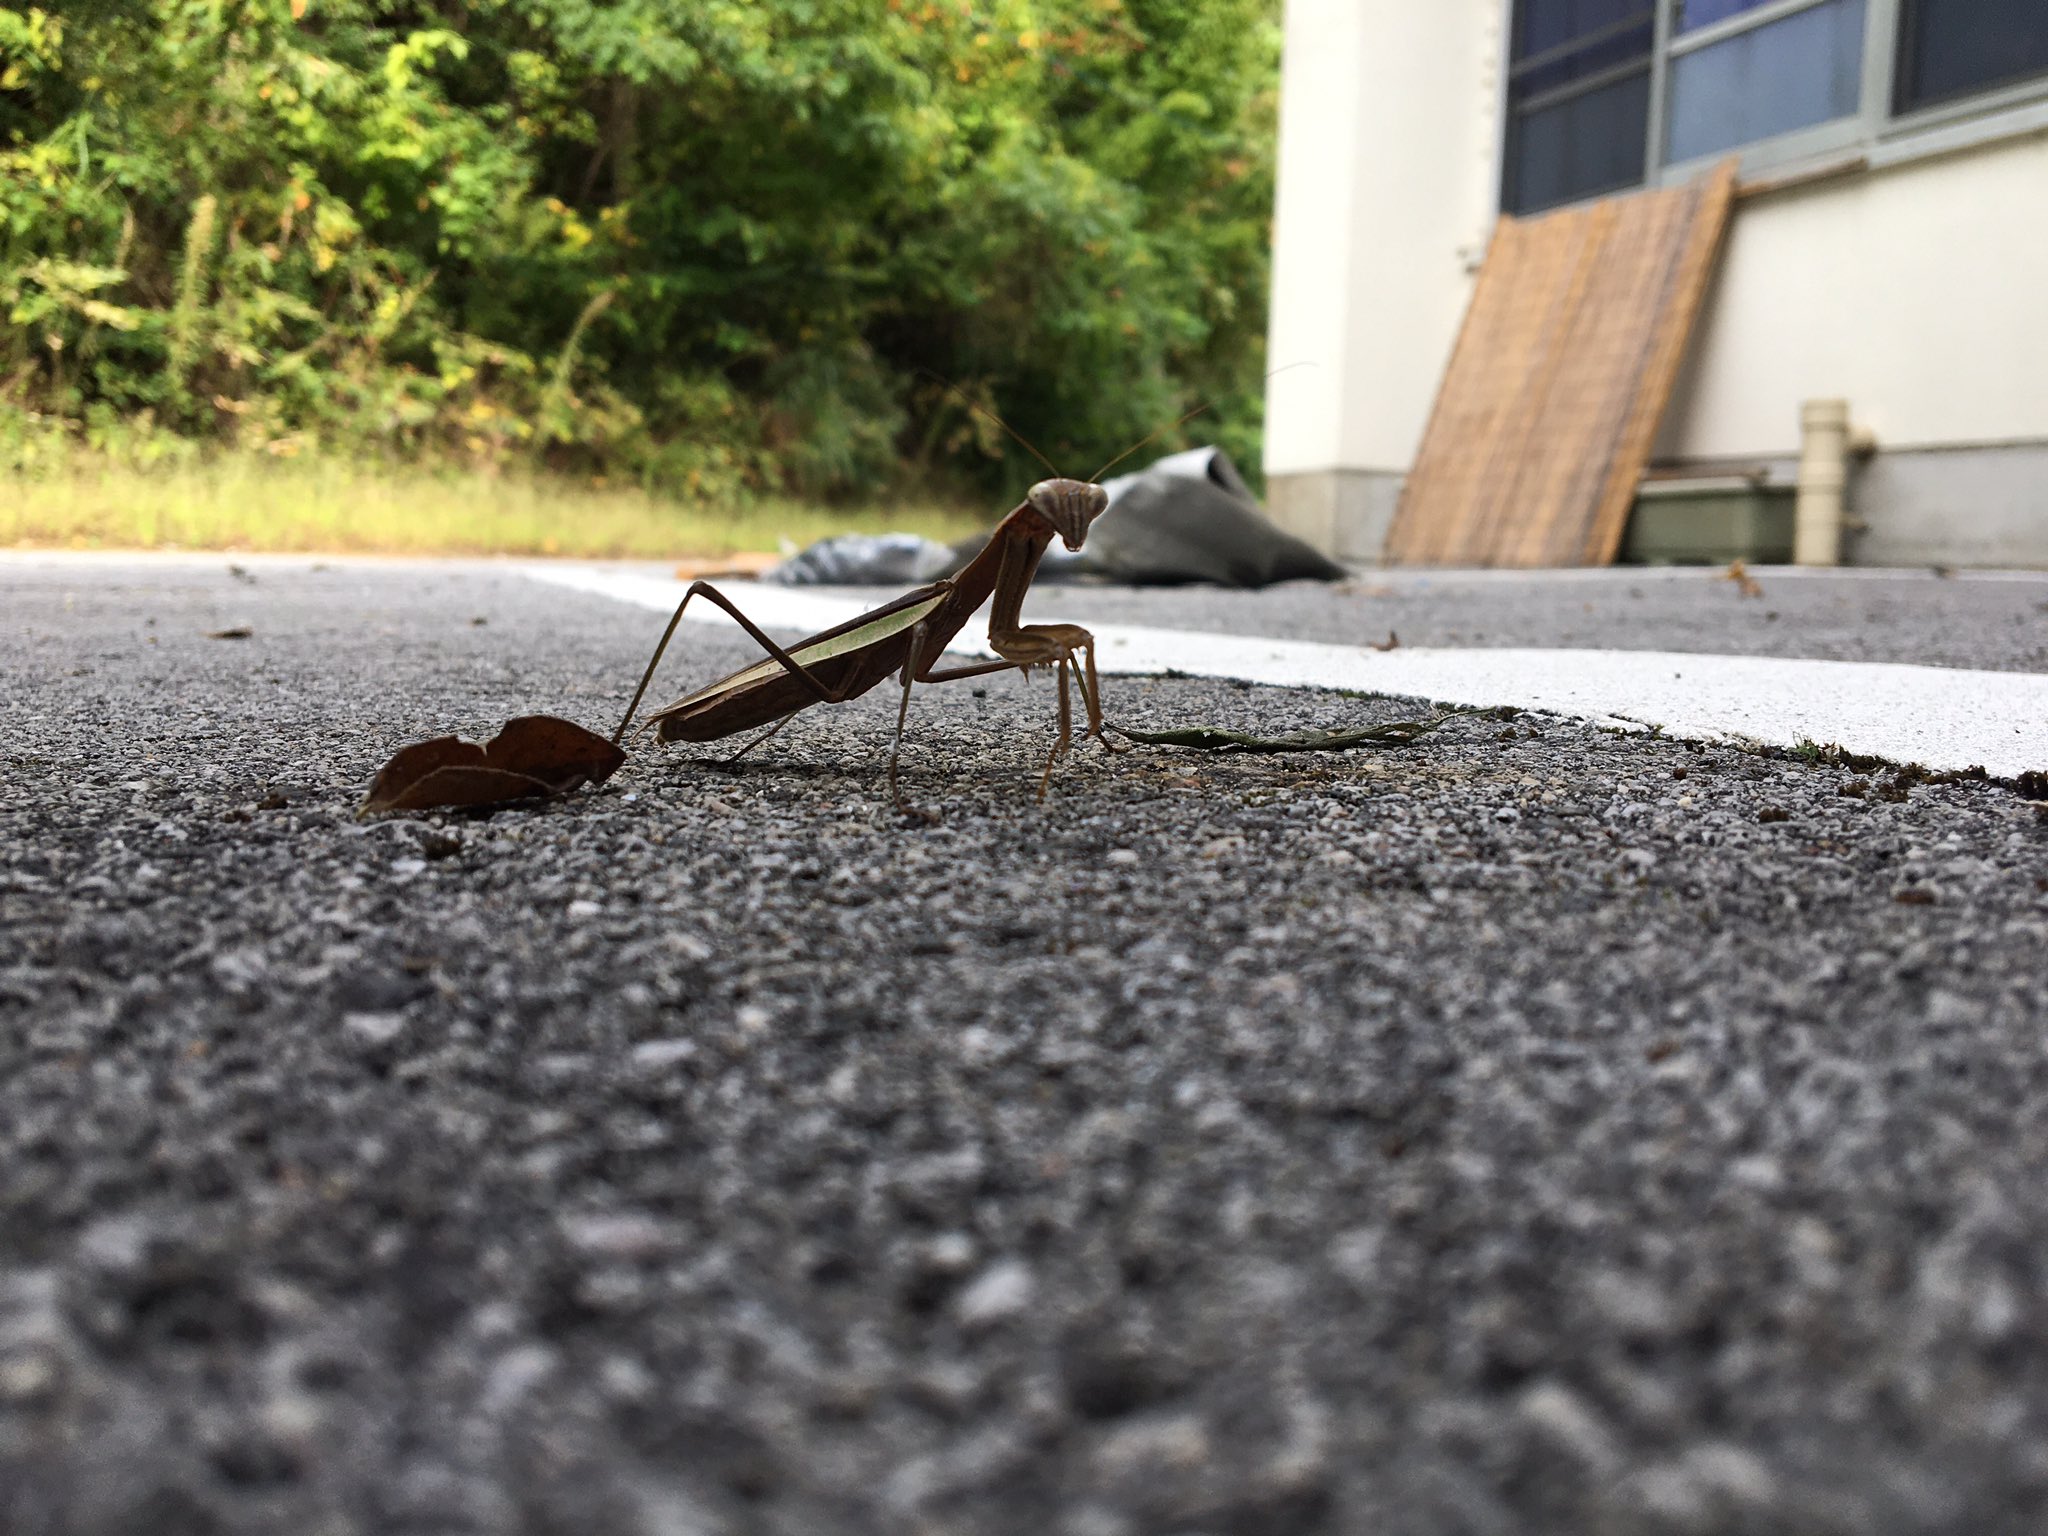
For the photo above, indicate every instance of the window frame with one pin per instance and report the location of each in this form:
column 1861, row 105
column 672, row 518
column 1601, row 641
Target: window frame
column 1877, row 133
column 1779, row 150
column 1969, row 103
column 1511, row 110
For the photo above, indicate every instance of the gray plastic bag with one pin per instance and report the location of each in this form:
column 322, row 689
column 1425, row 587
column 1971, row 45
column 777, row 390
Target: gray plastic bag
column 866, row 560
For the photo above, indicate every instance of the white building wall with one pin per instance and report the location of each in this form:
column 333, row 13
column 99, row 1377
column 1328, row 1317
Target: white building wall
column 1386, row 168
column 1917, row 291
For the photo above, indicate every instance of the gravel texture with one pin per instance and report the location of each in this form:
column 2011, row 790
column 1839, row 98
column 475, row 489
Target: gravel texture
column 1535, row 1129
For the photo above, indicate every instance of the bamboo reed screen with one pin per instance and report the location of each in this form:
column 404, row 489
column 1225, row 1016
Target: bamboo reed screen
column 1545, row 418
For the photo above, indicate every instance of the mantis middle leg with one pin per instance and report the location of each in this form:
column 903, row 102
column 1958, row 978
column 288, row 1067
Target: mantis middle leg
column 930, row 674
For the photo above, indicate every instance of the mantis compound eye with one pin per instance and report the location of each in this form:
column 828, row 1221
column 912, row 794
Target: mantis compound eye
column 1070, row 506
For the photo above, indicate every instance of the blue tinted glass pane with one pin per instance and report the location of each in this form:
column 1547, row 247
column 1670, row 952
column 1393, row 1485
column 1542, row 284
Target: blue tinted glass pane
column 1791, row 74
column 1583, row 63
column 1693, row 14
column 1541, row 25
column 1587, row 144
column 1953, row 47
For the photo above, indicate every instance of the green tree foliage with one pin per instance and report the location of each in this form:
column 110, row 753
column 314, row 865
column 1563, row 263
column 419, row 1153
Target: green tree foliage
column 719, row 244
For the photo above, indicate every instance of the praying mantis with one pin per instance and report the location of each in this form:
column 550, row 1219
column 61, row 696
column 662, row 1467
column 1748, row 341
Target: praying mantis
column 542, row 755
column 908, row 636
column 539, row 756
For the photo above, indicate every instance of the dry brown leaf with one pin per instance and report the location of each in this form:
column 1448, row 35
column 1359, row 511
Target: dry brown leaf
column 532, row 757
column 239, row 632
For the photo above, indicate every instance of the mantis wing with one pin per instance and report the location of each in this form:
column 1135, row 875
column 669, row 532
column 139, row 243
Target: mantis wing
column 858, row 635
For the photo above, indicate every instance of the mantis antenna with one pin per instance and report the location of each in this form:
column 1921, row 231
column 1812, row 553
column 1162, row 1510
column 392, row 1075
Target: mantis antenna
column 1190, row 416
column 980, row 410
column 1150, row 437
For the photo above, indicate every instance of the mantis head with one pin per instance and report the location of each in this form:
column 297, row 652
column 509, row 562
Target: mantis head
column 1070, row 506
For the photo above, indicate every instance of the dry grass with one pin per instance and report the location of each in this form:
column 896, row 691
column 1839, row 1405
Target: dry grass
column 330, row 507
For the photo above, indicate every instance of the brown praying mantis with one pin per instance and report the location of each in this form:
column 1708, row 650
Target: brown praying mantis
column 908, row 636
column 538, row 756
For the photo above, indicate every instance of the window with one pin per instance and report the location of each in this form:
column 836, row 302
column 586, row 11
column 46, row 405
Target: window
column 1608, row 94
column 1578, row 100
column 1730, row 87
column 1951, row 48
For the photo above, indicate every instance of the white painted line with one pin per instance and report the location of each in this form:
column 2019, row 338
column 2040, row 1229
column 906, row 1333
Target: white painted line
column 1941, row 717
column 800, row 608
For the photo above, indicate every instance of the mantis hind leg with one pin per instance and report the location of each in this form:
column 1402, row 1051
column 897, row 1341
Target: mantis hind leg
column 761, row 739
column 704, row 589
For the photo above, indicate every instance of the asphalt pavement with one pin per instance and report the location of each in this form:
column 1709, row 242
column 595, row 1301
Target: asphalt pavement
column 1536, row 1128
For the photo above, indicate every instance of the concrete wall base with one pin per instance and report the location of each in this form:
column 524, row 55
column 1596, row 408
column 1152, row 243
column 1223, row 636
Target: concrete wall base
column 1343, row 512
column 1978, row 505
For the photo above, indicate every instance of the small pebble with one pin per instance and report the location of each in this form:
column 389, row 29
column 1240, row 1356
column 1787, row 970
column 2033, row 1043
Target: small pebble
column 1000, row 1292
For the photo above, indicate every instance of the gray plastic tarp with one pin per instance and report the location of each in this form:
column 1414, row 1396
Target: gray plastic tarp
column 1188, row 517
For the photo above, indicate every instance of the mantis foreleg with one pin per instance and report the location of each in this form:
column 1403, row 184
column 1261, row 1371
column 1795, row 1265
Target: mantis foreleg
column 1091, row 696
column 1061, row 670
